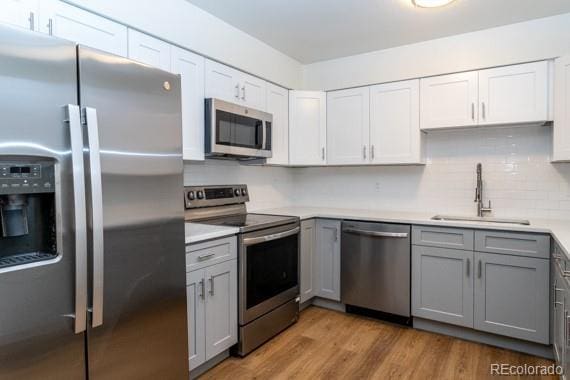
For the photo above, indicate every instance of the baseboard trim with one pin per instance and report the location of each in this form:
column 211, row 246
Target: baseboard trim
column 465, row 333
column 204, row 367
column 329, row 304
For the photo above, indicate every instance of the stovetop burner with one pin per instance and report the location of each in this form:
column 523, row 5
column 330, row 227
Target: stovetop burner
column 224, row 205
column 250, row 222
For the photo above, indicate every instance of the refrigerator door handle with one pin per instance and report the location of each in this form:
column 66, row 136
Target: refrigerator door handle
column 90, row 119
column 76, row 137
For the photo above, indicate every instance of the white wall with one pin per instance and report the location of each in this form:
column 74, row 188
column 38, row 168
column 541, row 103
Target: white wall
column 269, row 187
column 518, row 177
column 527, row 41
column 184, row 24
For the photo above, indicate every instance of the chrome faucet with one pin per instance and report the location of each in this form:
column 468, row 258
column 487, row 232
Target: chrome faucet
column 479, row 193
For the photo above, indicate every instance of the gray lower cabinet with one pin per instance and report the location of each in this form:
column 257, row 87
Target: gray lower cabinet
column 511, row 296
column 328, row 259
column 442, row 285
column 490, row 291
column 308, row 260
column 196, row 303
column 211, row 301
column 560, row 295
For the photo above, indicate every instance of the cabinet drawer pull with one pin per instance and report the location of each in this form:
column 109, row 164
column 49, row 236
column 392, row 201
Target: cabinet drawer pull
column 32, row 20
column 364, row 152
column 483, row 110
column 323, row 153
column 372, row 152
column 206, row 257
column 468, row 267
column 473, row 111
column 237, row 91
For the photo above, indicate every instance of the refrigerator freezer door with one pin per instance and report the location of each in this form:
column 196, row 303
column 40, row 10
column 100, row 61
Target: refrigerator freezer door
column 37, row 302
column 143, row 332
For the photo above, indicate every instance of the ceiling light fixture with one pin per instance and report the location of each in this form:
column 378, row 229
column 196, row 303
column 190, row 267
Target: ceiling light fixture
column 431, row 3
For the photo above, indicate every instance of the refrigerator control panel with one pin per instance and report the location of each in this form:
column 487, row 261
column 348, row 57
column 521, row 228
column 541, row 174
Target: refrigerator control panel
column 26, row 177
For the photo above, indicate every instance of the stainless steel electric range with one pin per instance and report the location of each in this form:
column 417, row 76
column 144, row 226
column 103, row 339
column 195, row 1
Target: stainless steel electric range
column 268, row 260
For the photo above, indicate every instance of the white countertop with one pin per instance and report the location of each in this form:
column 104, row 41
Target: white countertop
column 559, row 229
column 197, row 232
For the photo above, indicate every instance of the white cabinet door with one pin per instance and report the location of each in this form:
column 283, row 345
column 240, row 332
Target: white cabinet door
column 307, row 128
column 195, row 297
column 442, row 285
column 190, row 66
column 395, row 135
column 561, row 134
column 348, row 126
column 449, row 100
column 512, row 296
column 149, row 50
column 222, row 82
column 253, row 92
column 22, row 13
column 328, row 259
column 514, row 94
column 308, row 259
column 74, row 24
column 221, row 307
column 278, row 106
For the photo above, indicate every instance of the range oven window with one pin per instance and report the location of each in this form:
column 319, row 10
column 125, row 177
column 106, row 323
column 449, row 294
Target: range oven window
column 272, row 267
column 237, row 130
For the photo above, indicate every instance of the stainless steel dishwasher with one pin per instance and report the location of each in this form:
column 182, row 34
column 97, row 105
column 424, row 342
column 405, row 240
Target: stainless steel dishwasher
column 375, row 267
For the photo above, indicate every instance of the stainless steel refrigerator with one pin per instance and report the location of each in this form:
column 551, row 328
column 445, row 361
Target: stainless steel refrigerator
column 92, row 266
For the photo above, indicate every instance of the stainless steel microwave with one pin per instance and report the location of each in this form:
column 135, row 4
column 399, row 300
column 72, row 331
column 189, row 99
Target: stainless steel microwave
column 234, row 131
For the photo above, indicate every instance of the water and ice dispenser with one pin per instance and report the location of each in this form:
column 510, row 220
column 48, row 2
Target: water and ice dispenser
column 27, row 211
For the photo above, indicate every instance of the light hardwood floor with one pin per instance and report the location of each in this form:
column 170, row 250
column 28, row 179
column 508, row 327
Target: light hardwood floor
column 326, row 344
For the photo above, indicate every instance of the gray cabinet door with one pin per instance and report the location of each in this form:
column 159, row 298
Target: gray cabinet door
column 308, row 267
column 512, row 296
column 195, row 293
column 558, row 313
column 328, row 259
column 221, row 307
column 442, row 285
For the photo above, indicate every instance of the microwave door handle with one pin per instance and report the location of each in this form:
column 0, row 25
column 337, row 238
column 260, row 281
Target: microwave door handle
column 80, row 217
column 262, row 239
column 92, row 128
column 264, row 138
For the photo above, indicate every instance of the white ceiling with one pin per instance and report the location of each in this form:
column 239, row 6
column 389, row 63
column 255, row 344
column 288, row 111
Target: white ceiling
column 316, row 30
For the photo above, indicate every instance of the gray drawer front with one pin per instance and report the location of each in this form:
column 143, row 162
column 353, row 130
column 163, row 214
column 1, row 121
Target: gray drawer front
column 201, row 255
column 513, row 243
column 456, row 238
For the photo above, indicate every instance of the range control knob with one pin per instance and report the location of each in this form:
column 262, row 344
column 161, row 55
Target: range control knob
column 200, row 194
column 243, row 192
column 191, row 196
column 236, row 192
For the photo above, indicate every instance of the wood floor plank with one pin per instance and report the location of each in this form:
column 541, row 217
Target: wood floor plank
column 330, row 345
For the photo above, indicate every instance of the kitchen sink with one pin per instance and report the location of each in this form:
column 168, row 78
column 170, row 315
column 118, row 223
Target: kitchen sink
column 484, row 219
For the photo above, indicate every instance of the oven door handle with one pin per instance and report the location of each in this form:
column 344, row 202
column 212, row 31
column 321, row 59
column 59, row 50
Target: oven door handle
column 262, row 239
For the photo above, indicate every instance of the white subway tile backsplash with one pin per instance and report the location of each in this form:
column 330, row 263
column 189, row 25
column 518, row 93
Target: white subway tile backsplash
column 518, row 177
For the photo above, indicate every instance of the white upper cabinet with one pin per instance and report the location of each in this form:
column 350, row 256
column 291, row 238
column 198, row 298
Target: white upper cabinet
column 395, row 135
column 449, row 101
column 66, row 21
column 348, row 126
column 231, row 85
column 278, row 106
column 149, row 50
column 22, row 13
column 307, row 128
column 253, row 92
column 222, row 82
column 514, row 94
column 561, row 135
column 190, row 66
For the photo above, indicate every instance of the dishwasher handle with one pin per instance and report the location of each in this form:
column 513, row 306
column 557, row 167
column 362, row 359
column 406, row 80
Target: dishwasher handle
column 400, row 235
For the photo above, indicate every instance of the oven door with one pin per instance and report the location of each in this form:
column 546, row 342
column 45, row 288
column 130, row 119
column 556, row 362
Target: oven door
column 269, row 270
column 237, row 130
